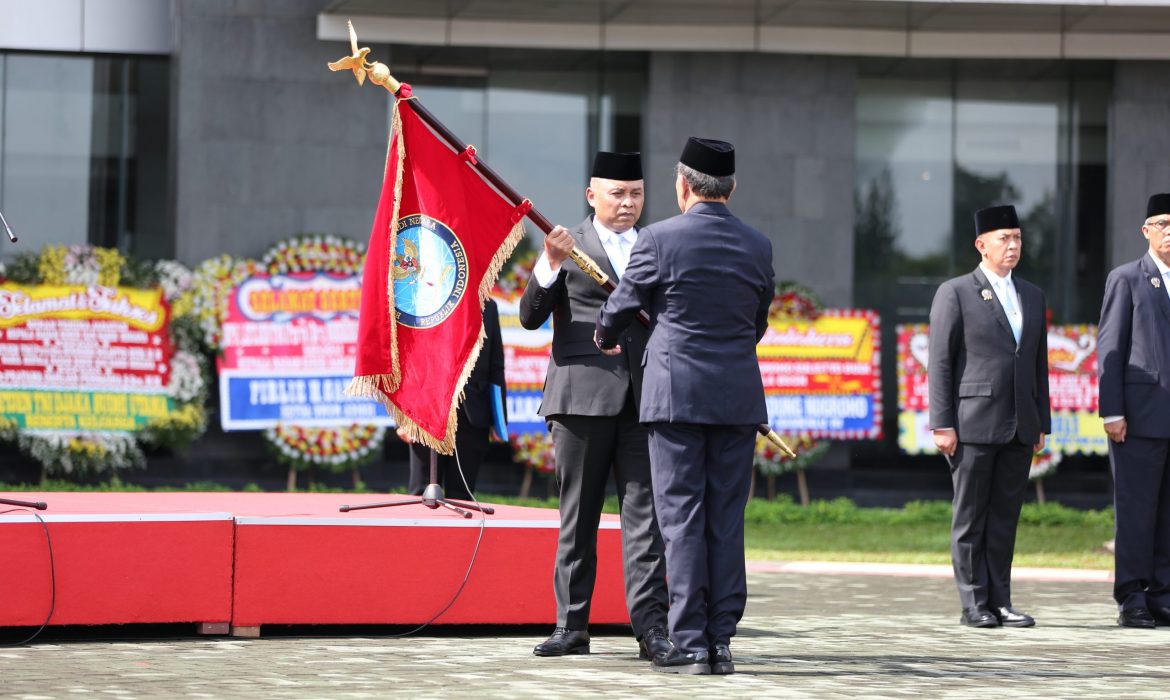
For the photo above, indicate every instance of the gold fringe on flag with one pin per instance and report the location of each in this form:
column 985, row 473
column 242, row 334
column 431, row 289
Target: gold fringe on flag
column 379, row 386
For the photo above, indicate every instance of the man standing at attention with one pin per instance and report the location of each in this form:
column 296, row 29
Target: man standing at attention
column 705, row 278
column 591, row 405
column 989, row 411
column 1133, row 351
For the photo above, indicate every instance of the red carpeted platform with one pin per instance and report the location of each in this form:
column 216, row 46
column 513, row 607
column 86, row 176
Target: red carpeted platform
column 256, row 559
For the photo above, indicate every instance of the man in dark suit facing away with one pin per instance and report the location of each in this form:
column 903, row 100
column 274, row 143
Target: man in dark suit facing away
column 989, row 411
column 475, row 420
column 706, row 280
column 591, row 406
column 1133, row 351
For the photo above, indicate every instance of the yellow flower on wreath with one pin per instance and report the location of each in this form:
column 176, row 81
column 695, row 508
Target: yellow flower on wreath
column 51, row 266
column 184, row 305
column 110, row 263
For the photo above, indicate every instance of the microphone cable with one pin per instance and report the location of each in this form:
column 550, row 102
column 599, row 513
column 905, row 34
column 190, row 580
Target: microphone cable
column 52, row 579
column 470, row 563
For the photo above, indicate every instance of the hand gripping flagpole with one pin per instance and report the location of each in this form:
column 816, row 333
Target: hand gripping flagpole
column 379, row 74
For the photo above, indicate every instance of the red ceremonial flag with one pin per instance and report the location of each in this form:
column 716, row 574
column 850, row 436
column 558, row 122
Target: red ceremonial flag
column 440, row 236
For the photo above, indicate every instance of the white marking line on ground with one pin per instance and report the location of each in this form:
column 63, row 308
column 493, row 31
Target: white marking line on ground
column 922, row 570
column 410, row 522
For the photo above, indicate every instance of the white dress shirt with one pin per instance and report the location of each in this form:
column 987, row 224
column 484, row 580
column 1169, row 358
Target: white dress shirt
column 617, row 247
column 1005, row 291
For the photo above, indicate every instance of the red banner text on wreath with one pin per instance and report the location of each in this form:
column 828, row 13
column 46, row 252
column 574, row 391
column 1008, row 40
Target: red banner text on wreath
column 439, row 238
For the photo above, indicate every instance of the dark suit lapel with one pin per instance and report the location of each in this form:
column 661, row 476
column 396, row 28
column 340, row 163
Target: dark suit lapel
column 590, row 244
column 983, row 288
column 1150, row 273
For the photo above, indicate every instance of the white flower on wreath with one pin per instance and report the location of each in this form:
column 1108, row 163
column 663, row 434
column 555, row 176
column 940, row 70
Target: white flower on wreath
column 81, row 266
column 120, row 451
column 174, row 278
column 186, row 377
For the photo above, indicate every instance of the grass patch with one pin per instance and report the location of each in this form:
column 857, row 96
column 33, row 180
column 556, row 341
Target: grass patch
column 1064, row 546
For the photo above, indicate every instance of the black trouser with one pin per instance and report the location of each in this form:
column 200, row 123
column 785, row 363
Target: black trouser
column 1141, row 511
column 990, row 484
column 588, row 449
column 702, row 474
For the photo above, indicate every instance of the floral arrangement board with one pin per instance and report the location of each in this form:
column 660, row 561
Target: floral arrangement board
column 75, row 357
column 98, row 358
column 289, row 339
column 526, row 353
column 1072, row 384
column 821, row 368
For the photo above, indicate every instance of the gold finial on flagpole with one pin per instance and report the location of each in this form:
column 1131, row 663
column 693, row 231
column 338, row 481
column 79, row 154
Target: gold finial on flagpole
column 379, row 73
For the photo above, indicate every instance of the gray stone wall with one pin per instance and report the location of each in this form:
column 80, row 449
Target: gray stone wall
column 1139, row 152
column 791, row 119
column 268, row 142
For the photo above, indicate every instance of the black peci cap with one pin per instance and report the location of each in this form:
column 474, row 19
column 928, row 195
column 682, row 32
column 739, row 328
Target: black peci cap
column 708, row 156
column 995, row 218
column 1158, row 204
column 617, row 166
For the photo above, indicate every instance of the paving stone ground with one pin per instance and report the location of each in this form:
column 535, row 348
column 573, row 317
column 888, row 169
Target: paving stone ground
column 804, row 636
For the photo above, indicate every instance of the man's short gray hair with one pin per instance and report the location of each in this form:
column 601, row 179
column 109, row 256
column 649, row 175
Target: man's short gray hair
column 704, row 185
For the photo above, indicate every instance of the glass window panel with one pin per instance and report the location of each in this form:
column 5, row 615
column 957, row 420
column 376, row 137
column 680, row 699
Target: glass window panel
column 1008, row 138
column 905, row 135
column 538, row 137
column 46, row 147
column 84, row 150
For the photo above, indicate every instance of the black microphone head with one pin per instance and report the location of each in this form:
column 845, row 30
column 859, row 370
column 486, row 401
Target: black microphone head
column 41, row 505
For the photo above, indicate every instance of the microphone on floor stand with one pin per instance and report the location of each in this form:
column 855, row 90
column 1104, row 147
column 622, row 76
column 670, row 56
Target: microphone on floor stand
column 39, row 505
column 11, row 235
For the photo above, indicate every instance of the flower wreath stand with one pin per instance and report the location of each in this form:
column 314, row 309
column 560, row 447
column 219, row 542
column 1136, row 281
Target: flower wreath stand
column 107, row 274
column 792, row 302
column 299, row 448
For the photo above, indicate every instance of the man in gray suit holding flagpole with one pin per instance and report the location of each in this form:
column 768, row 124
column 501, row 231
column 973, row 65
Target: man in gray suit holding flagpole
column 1133, row 351
column 591, row 406
column 989, row 411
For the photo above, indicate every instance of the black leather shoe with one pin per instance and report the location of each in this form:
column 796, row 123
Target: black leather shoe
column 1010, row 617
column 693, row 664
column 1136, row 617
column 721, row 663
column 1161, row 615
column 564, row 642
column 978, row 617
column 653, row 643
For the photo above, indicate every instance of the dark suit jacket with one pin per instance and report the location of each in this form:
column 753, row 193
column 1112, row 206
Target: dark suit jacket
column 580, row 380
column 1133, row 349
column 706, row 280
column 981, row 384
column 488, row 370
